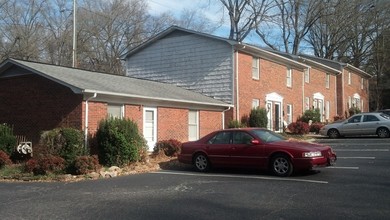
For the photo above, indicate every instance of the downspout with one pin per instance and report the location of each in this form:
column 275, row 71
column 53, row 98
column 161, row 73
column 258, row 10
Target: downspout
column 86, row 119
column 303, row 90
column 237, row 94
column 223, row 117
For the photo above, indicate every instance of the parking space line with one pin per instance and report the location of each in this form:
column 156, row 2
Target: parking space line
column 243, row 177
column 348, row 168
column 366, row 158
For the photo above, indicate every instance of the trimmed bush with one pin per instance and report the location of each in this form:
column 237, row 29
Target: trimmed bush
column 7, row 139
column 298, row 127
column 119, row 142
column 64, row 142
column 86, row 164
column 316, row 127
column 258, row 118
column 45, row 164
column 170, row 147
column 4, row 159
column 338, row 118
column 312, row 114
column 235, row 124
column 353, row 110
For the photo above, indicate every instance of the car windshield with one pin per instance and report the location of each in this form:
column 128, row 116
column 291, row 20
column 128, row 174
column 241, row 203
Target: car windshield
column 268, row 136
column 385, row 116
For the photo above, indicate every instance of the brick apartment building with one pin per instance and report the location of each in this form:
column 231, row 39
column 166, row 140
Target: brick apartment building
column 35, row 97
column 247, row 76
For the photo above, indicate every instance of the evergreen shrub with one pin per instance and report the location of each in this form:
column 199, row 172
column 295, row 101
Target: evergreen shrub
column 170, row 147
column 258, row 118
column 119, row 142
column 7, row 139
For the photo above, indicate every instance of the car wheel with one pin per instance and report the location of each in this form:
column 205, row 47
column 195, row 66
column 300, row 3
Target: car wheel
column 383, row 133
column 201, row 162
column 281, row 165
column 333, row 133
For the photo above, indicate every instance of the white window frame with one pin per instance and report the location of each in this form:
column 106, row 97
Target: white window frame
column 191, row 124
column 362, row 83
column 327, row 110
column 307, row 103
column 349, row 101
column 255, row 103
column 327, row 80
column 289, row 77
column 255, row 68
column 349, row 78
column 289, row 113
column 307, row 75
column 115, row 107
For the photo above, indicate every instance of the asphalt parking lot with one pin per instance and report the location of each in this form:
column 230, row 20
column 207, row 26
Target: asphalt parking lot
column 357, row 187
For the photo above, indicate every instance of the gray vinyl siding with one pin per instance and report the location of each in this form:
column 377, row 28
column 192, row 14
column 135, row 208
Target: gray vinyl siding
column 193, row 62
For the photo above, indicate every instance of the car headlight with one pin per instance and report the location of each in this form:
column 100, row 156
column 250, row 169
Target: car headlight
column 312, row 154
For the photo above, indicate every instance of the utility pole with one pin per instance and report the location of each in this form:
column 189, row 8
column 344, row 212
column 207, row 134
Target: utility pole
column 74, row 52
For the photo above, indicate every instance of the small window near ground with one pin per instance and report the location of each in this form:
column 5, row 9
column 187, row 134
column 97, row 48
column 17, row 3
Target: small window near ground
column 255, row 103
column 115, row 111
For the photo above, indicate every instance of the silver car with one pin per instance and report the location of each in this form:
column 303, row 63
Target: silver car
column 374, row 123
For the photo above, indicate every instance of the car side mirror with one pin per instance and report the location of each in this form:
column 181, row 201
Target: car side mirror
column 255, row 142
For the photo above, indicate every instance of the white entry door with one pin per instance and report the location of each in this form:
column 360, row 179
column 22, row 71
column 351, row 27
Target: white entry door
column 150, row 126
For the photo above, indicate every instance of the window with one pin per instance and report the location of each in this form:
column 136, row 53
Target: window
column 289, row 114
column 368, row 118
column 327, row 110
column 349, row 78
column 349, row 102
column 241, row 137
column 362, row 83
column 115, row 111
column 327, row 80
column 193, row 125
column 307, row 103
column 255, row 103
column 289, row 77
column 355, row 119
column 307, row 75
column 255, row 68
column 221, row 138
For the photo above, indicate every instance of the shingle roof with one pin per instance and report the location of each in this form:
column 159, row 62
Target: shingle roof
column 81, row 81
column 336, row 65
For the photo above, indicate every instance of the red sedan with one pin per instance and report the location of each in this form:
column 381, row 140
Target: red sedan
column 256, row 148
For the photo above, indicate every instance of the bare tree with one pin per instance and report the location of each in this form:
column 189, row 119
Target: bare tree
column 22, row 29
column 290, row 24
column 244, row 15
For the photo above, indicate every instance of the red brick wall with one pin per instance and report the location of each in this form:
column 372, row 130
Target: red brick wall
column 135, row 113
column 317, row 84
column 172, row 124
column 97, row 111
column 272, row 79
column 32, row 104
column 353, row 88
column 209, row 121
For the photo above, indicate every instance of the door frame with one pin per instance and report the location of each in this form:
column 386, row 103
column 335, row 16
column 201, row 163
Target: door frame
column 150, row 143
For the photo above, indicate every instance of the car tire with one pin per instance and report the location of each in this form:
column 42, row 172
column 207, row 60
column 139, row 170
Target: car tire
column 201, row 162
column 333, row 133
column 281, row 165
column 383, row 133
